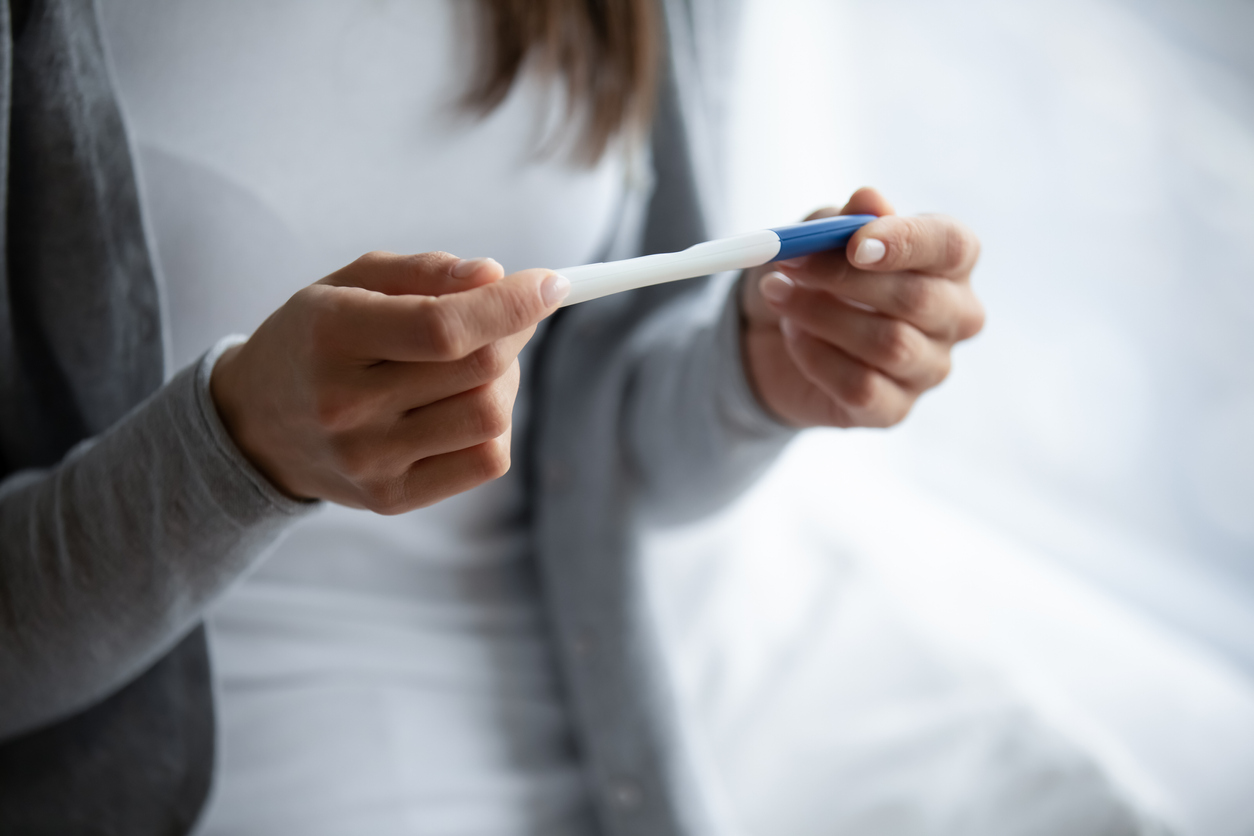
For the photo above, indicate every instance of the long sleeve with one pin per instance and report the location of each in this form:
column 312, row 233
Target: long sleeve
column 110, row 557
column 695, row 434
column 109, row 551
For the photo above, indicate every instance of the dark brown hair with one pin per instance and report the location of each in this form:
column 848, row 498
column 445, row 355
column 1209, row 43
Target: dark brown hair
column 607, row 53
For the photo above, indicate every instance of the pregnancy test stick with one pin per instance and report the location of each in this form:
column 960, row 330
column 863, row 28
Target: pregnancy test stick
column 592, row 281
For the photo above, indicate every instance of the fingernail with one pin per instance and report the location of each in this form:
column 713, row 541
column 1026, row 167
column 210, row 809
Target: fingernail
column 776, row 287
column 793, row 263
column 554, row 289
column 788, row 328
column 466, row 267
column 869, row 251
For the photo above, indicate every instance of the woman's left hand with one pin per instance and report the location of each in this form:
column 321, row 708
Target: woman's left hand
column 851, row 338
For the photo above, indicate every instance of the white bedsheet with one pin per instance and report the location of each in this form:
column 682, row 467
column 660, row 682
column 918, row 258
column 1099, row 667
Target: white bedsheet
column 858, row 656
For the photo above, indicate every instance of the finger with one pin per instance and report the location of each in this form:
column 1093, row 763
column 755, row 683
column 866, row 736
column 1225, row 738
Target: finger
column 439, row 477
column 861, row 395
column 934, row 244
column 386, row 390
column 944, row 310
column 865, row 201
column 372, row 326
column 460, row 421
column 408, row 386
column 375, row 454
column 435, row 478
column 868, row 201
column 892, row 346
column 425, row 274
column 760, row 280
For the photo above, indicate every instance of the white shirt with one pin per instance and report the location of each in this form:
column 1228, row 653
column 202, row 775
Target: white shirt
column 375, row 675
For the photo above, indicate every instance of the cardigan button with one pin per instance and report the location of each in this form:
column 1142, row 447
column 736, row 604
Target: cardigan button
column 626, row 795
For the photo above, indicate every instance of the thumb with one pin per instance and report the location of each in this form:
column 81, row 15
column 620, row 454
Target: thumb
column 868, row 201
column 865, row 201
column 414, row 329
column 423, row 274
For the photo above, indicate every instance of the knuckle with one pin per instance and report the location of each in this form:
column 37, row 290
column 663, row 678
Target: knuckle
column 385, row 497
column 973, row 322
column 838, row 415
column 961, row 247
column 491, row 460
column 898, row 413
column 374, row 257
column 893, row 344
column 918, row 298
column 352, row 459
column 492, row 413
column 490, row 362
column 859, row 389
column 444, row 331
column 324, row 317
column 308, row 296
column 421, row 265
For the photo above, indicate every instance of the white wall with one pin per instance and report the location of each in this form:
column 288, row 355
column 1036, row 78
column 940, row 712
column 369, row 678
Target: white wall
column 1105, row 153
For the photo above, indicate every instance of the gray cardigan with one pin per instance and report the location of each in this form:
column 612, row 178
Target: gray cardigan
column 125, row 508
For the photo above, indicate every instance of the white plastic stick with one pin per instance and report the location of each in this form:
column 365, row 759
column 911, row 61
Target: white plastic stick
column 592, row 281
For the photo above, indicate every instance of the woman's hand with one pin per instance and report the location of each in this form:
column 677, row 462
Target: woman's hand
column 388, row 385
column 852, row 338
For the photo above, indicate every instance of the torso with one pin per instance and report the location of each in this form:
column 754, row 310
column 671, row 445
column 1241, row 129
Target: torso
column 374, row 675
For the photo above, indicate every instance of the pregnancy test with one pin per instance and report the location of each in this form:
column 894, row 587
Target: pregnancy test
column 592, row 281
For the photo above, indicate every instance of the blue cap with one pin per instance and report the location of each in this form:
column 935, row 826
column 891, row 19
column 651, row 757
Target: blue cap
column 816, row 236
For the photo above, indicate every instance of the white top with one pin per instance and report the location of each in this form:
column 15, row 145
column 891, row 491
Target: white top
column 375, row 675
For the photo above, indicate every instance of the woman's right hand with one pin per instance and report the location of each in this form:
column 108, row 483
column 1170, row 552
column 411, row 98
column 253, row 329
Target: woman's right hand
column 390, row 384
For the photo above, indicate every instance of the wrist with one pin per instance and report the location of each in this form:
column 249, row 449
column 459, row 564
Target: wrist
column 221, row 390
column 226, row 390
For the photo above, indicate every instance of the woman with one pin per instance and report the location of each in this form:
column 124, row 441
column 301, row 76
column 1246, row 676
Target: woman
column 481, row 664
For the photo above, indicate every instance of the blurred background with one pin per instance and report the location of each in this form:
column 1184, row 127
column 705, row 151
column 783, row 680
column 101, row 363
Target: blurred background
column 1030, row 608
